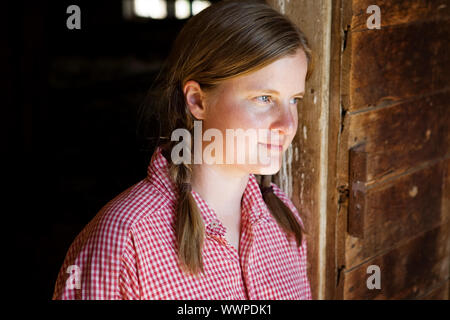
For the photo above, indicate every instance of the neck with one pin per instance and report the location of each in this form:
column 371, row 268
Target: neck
column 221, row 189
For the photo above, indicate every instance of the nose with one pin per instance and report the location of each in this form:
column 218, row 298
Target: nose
column 286, row 121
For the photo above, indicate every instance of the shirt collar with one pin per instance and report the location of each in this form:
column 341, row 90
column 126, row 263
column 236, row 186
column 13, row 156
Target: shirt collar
column 253, row 206
column 158, row 175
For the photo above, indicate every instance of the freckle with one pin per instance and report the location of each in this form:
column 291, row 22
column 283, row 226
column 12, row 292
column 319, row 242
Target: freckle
column 413, row 192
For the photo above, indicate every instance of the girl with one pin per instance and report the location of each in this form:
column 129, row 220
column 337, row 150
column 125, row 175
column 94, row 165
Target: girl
column 205, row 229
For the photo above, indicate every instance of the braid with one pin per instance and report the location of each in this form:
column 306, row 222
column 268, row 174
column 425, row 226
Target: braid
column 189, row 227
column 280, row 211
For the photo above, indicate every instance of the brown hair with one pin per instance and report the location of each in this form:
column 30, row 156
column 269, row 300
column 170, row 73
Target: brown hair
column 228, row 39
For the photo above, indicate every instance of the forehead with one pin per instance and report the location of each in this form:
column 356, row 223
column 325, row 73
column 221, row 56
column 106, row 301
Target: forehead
column 286, row 75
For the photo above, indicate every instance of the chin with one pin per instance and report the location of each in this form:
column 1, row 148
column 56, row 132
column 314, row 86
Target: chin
column 266, row 170
column 270, row 168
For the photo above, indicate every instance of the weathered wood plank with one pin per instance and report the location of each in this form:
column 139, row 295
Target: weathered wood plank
column 401, row 136
column 333, row 228
column 396, row 63
column 395, row 100
column 408, row 271
column 397, row 211
column 399, row 12
column 357, row 190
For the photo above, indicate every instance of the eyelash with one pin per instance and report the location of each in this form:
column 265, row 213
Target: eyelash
column 298, row 99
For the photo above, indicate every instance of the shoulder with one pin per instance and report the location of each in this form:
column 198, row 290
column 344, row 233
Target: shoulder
column 115, row 220
column 132, row 205
column 97, row 252
column 284, row 197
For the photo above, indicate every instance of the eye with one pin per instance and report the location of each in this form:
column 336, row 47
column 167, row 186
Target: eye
column 296, row 100
column 264, row 99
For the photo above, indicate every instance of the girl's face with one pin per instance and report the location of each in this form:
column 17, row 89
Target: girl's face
column 265, row 102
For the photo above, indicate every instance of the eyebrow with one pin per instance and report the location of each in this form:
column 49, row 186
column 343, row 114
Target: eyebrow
column 276, row 92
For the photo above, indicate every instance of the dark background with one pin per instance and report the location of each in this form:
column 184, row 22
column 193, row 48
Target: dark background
column 69, row 115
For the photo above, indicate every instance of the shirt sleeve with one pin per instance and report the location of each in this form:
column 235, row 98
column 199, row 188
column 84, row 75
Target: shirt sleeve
column 100, row 264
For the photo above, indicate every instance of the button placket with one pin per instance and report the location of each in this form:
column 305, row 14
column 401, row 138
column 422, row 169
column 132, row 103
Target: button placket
column 217, row 229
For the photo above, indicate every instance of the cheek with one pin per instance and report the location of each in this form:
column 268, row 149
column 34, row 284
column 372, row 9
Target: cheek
column 220, row 117
column 236, row 115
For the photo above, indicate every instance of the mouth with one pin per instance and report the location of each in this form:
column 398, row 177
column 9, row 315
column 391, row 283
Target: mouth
column 272, row 147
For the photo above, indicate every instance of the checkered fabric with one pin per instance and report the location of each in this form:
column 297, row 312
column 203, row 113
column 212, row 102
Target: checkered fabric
column 128, row 250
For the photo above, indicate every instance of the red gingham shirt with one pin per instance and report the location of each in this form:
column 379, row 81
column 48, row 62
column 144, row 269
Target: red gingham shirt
column 128, row 250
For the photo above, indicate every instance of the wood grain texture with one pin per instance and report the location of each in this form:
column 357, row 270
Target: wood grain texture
column 357, row 191
column 395, row 93
column 439, row 293
column 402, row 136
column 395, row 63
column 334, row 131
column 408, row 271
column 397, row 211
column 399, row 12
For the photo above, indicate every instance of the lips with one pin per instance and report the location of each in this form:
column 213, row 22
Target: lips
column 273, row 147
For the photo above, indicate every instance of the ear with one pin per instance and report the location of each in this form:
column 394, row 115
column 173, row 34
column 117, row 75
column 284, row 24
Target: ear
column 195, row 99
